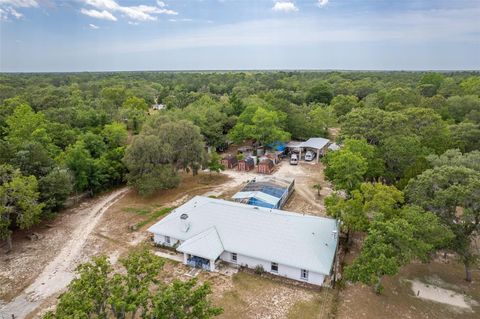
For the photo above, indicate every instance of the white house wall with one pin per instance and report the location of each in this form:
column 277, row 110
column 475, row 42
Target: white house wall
column 283, row 270
column 246, row 261
column 160, row 240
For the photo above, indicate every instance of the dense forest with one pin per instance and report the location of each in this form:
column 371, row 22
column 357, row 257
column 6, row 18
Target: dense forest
column 407, row 174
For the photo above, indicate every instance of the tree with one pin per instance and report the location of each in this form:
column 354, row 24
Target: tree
column 129, row 293
column 18, row 201
column 209, row 116
column 399, row 152
column 134, row 291
column 471, row 85
column 236, row 104
column 431, row 130
column 376, row 165
column 363, row 204
column 55, row 188
column 394, row 242
column 24, row 125
column 345, row 169
column 343, row 104
column 87, row 294
column 78, row 159
column 349, row 211
column 432, row 81
column 454, row 157
column 164, row 146
column 133, row 111
column 372, row 124
column 182, row 300
column 320, row 93
column 318, row 120
column 466, row 136
column 115, row 134
column 452, row 193
column 458, row 107
column 262, row 125
column 215, row 164
column 147, row 163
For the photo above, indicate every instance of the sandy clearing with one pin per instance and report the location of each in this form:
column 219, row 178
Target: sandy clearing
column 60, row 271
column 441, row 295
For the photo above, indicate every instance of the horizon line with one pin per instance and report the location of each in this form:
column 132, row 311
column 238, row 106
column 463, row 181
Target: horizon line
column 243, row 70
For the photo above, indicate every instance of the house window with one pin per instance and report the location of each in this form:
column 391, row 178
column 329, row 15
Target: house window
column 274, row 267
column 304, row 274
column 234, row 257
column 167, row 239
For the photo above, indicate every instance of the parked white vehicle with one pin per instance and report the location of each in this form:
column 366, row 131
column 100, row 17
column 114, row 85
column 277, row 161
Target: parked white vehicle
column 294, row 159
column 310, row 155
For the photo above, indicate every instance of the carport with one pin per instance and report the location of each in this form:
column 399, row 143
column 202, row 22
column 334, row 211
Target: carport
column 319, row 144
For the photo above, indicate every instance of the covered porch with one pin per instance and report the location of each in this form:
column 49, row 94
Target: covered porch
column 202, row 250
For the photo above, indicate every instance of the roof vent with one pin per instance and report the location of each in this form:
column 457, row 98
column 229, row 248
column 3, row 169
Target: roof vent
column 184, row 216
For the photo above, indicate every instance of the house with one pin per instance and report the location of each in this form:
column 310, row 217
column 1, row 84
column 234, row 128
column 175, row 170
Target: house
column 158, row 106
column 287, row 244
column 246, row 164
column 229, row 161
column 269, row 192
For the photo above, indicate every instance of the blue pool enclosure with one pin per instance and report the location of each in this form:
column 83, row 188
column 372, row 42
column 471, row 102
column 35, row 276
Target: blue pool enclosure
column 268, row 192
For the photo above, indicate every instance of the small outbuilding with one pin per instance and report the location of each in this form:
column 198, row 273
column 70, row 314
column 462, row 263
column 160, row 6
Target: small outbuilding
column 229, row 161
column 247, row 164
column 266, row 166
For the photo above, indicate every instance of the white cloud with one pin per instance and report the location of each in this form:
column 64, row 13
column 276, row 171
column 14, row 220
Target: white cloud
column 322, row 3
column 285, row 6
column 91, row 25
column 7, row 13
column 20, row 3
column 7, row 10
column 105, row 15
column 15, row 13
column 103, row 4
column 139, row 13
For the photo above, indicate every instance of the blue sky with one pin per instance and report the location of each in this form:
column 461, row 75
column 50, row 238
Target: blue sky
column 108, row 35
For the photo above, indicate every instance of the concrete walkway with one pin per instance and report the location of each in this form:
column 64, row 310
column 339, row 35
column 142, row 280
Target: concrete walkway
column 171, row 256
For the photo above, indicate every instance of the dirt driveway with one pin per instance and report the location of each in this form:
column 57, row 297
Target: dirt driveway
column 60, row 271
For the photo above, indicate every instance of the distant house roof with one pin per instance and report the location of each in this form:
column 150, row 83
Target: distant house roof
column 315, row 142
column 292, row 239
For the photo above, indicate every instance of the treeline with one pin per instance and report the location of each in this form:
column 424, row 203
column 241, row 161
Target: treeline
column 62, row 134
column 408, row 176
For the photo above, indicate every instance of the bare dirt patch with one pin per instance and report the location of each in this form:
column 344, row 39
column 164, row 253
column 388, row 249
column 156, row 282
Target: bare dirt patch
column 442, row 295
column 398, row 300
